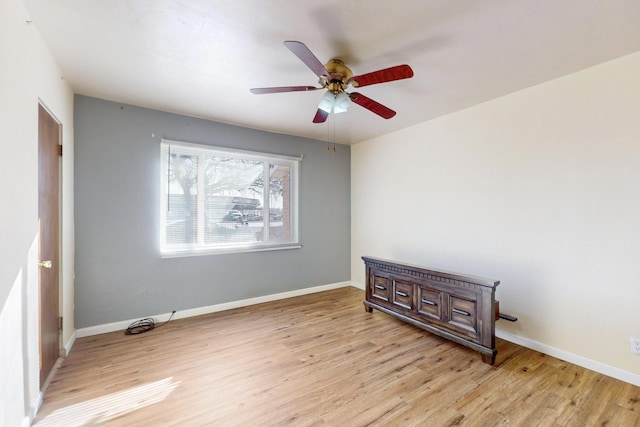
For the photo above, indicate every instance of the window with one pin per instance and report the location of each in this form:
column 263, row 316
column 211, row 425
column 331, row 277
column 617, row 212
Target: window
column 219, row 200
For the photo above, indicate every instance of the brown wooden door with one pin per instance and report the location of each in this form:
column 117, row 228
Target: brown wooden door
column 49, row 150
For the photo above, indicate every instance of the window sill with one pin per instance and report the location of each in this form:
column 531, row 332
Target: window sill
column 223, row 251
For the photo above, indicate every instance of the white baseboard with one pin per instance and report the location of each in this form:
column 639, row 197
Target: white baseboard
column 593, row 365
column 181, row 314
column 357, row 285
column 66, row 348
column 32, row 411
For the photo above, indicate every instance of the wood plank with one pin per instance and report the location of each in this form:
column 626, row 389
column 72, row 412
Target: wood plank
column 320, row 360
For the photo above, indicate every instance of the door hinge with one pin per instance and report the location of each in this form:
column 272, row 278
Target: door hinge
column 60, row 323
column 59, row 150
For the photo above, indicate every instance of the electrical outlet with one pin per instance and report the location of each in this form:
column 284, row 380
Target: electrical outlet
column 635, row 345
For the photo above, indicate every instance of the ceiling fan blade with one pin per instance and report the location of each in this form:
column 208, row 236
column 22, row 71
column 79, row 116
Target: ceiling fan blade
column 262, row 90
column 371, row 105
column 398, row 72
column 300, row 50
column 321, row 116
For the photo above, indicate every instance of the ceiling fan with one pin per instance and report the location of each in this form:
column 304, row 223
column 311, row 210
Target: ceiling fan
column 336, row 77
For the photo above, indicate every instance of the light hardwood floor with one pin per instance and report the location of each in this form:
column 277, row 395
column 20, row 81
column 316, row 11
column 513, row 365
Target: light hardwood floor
column 320, row 360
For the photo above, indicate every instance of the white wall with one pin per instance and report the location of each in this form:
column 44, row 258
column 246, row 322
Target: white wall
column 539, row 189
column 28, row 75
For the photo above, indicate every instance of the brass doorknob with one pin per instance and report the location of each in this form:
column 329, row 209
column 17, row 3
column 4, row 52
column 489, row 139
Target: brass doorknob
column 45, row 264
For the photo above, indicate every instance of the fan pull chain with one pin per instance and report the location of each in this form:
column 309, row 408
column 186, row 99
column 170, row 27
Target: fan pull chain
column 328, row 137
column 334, row 133
column 331, row 137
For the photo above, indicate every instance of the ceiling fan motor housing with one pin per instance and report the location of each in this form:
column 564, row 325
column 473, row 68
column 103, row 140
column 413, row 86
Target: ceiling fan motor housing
column 340, row 75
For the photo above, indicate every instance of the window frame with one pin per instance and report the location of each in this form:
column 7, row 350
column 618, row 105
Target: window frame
column 201, row 248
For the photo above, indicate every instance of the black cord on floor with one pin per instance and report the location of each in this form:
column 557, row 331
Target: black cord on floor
column 144, row 325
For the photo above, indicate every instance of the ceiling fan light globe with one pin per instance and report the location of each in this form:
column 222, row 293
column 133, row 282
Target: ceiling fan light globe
column 327, row 102
column 342, row 103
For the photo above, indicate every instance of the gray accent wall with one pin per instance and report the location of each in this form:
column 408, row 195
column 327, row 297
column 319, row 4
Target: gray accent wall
column 119, row 272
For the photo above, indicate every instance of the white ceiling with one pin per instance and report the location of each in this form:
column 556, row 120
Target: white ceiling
column 201, row 57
